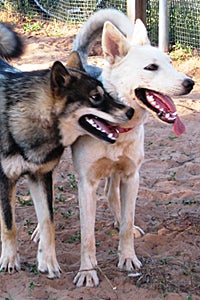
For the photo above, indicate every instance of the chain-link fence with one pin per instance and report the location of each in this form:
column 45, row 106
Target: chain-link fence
column 184, row 15
column 184, row 22
column 75, row 11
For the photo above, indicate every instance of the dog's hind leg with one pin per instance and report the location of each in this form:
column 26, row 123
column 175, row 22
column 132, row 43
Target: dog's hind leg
column 111, row 191
column 128, row 193
column 87, row 201
column 9, row 260
column 41, row 189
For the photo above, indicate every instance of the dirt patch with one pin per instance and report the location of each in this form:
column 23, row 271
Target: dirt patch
column 168, row 208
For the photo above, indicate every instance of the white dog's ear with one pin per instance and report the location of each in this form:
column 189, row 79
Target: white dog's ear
column 139, row 36
column 115, row 45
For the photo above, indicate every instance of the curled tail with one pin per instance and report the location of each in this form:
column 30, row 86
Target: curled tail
column 11, row 45
column 93, row 27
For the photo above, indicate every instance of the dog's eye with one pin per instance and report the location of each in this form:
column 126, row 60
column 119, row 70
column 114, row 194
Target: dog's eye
column 151, row 67
column 96, row 98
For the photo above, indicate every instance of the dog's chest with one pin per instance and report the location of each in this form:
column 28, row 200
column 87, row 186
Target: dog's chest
column 15, row 166
column 123, row 158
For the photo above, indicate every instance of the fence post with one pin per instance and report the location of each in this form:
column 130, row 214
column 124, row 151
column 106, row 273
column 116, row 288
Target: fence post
column 136, row 9
column 163, row 36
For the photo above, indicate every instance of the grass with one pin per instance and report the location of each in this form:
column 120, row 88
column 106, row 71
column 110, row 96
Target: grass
column 24, row 202
column 72, row 181
column 60, row 198
column 33, row 269
column 9, row 297
column 68, row 214
column 180, row 53
column 74, row 238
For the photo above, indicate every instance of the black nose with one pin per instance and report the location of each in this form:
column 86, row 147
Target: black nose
column 188, row 85
column 130, row 113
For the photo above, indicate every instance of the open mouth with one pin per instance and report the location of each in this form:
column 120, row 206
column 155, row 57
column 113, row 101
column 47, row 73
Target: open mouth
column 99, row 128
column 163, row 106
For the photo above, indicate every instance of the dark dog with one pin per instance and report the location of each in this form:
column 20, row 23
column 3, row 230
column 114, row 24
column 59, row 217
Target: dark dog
column 41, row 112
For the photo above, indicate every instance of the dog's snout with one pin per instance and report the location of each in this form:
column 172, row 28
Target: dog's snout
column 130, row 113
column 188, row 84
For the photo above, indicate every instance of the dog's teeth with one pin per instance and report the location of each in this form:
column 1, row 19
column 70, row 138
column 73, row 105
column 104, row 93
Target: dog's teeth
column 90, row 121
column 167, row 115
column 111, row 136
column 157, row 106
column 150, row 98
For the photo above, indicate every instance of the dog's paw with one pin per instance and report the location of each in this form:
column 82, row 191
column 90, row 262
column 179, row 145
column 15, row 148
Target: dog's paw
column 10, row 263
column 138, row 232
column 36, row 234
column 88, row 278
column 48, row 264
column 51, row 268
column 129, row 264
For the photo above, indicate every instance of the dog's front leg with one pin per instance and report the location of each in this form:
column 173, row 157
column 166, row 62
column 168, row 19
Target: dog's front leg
column 128, row 193
column 87, row 201
column 41, row 188
column 9, row 257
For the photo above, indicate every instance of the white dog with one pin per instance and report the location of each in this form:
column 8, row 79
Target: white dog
column 144, row 78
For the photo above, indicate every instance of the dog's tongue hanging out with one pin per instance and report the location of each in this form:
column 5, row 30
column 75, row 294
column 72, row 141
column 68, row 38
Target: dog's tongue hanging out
column 166, row 110
column 179, row 127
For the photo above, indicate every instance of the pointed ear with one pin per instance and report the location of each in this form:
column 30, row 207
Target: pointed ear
column 59, row 79
column 114, row 43
column 74, row 61
column 139, row 36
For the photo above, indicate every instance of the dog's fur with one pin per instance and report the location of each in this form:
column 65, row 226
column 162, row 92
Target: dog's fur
column 138, row 73
column 41, row 112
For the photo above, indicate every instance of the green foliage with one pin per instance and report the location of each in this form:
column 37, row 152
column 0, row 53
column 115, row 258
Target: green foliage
column 74, row 238
column 32, row 27
column 72, row 181
column 24, row 202
column 186, row 18
column 184, row 23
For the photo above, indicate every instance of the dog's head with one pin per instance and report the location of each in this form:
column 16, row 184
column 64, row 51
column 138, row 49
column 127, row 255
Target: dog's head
column 142, row 75
column 82, row 105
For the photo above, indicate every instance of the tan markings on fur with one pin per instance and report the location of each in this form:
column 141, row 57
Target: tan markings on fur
column 9, row 256
column 8, row 234
column 70, row 128
column 106, row 167
column 14, row 166
column 38, row 112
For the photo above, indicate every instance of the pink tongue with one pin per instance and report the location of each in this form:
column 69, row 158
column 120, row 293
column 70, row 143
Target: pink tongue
column 179, row 127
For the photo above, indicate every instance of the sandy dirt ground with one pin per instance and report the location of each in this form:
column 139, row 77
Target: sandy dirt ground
column 168, row 209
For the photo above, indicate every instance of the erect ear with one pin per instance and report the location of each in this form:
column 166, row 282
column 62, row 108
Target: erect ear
column 114, row 43
column 139, row 36
column 74, row 61
column 59, row 79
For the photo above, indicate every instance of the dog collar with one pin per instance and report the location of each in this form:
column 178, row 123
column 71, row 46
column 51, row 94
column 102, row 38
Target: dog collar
column 124, row 130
